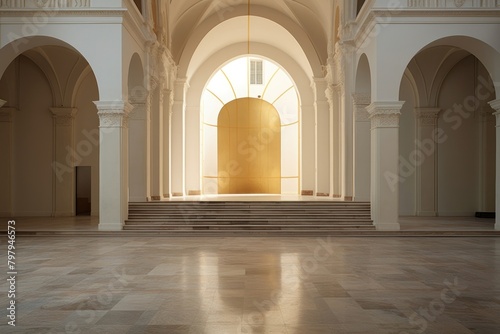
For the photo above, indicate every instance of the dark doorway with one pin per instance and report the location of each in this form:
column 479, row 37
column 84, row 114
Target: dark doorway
column 83, row 190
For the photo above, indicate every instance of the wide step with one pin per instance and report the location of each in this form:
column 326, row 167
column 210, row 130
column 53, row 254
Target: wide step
column 289, row 217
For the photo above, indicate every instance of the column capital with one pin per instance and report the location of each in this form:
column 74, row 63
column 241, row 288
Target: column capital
column 361, row 99
column 63, row 116
column 427, row 116
column 385, row 114
column 495, row 104
column 321, row 88
column 113, row 114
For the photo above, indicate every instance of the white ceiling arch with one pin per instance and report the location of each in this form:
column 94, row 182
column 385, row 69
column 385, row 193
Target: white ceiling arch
column 312, row 17
column 234, row 31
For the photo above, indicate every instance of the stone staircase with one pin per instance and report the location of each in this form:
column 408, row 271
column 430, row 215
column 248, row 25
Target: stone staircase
column 276, row 217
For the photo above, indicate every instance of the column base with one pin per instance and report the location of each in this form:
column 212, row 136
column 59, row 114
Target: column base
column 138, row 199
column 427, row 214
column 110, row 227
column 388, row 226
column 64, row 214
column 497, row 226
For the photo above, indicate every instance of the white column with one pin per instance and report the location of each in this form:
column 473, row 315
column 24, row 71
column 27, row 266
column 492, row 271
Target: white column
column 362, row 147
column 168, row 101
column 425, row 159
column 63, row 142
column 6, row 132
column 193, row 151
column 308, row 152
column 323, row 119
column 496, row 106
column 113, row 164
column 333, row 94
column 156, row 140
column 384, row 118
column 178, row 144
column 347, row 156
column 139, row 152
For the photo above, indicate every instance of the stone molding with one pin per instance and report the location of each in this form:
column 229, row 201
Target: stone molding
column 113, row 114
column 452, row 4
column 361, row 114
column 496, row 106
column 360, row 102
column 385, row 114
column 427, row 116
column 33, row 4
column 360, row 99
column 63, row 116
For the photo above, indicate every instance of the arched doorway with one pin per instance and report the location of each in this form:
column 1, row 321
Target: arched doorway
column 50, row 137
column 249, row 148
column 447, row 137
column 242, row 93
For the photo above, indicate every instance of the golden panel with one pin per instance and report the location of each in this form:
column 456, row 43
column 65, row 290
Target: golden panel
column 249, row 140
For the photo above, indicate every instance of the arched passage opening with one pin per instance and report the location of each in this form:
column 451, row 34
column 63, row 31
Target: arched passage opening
column 50, row 139
column 258, row 129
column 138, row 131
column 447, row 134
column 362, row 141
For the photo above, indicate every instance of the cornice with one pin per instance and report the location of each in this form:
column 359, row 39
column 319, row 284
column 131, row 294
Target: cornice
column 88, row 12
column 370, row 17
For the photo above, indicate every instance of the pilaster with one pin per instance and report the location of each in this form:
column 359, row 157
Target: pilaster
column 424, row 159
column 496, row 106
column 139, row 151
column 333, row 95
column 168, row 102
column 6, row 150
column 63, row 141
column 178, row 135
column 384, row 118
column 362, row 144
column 308, row 144
column 113, row 163
column 322, row 141
column 155, row 101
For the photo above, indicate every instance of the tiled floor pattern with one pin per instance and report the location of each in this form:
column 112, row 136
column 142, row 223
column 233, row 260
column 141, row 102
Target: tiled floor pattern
column 254, row 285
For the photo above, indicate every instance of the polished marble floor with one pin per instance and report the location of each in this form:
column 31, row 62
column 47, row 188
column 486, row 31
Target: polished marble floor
column 254, row 285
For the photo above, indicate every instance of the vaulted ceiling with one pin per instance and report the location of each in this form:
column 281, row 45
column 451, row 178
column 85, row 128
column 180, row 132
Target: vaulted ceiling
column 191, row 17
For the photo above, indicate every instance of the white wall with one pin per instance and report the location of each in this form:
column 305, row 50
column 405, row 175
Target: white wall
column 407, row 136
